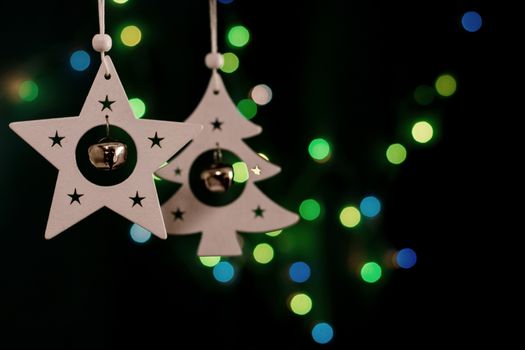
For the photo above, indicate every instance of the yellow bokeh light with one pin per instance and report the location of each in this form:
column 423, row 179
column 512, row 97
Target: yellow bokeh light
column 131, row 36
column 274, row 233
column 422, row 132
column 446, row 85
column 263, row 253
column 210, row 261
column 350, row 217
column 301, row 304
column 264, row 156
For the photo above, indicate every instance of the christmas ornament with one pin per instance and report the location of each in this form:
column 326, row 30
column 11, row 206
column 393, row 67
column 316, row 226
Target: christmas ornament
column 69, row 142
column 224, row 129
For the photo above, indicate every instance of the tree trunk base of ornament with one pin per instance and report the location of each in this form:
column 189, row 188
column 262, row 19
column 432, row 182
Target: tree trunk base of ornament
column 219, row 244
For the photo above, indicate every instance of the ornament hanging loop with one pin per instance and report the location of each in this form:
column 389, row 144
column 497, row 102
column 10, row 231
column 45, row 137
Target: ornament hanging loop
column 217, row 154
column 102, row 42
column 107, row 127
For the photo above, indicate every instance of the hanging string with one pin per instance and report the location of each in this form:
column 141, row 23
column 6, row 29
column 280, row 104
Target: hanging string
column 213, row 25
column 102, row 42
column 214, row 59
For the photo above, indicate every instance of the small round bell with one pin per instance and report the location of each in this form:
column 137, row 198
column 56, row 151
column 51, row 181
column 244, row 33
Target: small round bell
column 108, row 154
column 218, row 177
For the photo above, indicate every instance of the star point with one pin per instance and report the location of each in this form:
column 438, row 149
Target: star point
column 256, row 170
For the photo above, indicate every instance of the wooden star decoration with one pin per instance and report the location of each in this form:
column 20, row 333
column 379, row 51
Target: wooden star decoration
column 75, row 197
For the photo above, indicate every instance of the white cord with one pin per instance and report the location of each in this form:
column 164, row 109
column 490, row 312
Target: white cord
column 102, row 26
column 214, row 46
column 213, row 25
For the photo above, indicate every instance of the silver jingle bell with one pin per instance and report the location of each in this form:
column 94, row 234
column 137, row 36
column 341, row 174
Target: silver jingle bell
column 108, row 154
column 218, row 178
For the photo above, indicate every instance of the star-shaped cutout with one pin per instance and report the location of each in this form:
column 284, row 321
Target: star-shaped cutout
column 178, row 171
column 178, row 214
column 106, row 104
column 57, row 140
column 75, row 197
column 155, row 140
column 217, row 125
column 258, row 212
column 256, row 170
column 137, row 199
column 63, row 214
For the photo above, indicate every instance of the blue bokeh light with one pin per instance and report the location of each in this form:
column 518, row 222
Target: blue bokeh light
column 370, row 206
column 299, row 272
column 139, row 234
column 223, row 272
column 80, row 60
column 471, row 21
column 322, row 333
column 406, row 258
column 225, row 1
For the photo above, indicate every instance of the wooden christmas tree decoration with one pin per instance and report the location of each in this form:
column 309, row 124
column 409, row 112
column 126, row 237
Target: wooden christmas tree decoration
column 224, row 127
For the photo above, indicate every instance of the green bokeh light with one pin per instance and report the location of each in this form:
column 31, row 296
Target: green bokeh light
column 238, row 36
column 396, row 153
column 263, row 253
column 247, row 107
column 28, row 91
column 371, row 272
column 301, row 304
column 120, row 1
column 446, row 85
column 209, row 261
column 350, row 216
column 319, row 149
column 138, row 106
column 274, row 233
column 422, row 132
column 424, row 95
column 231, row 62
column 309, row 209
column 240, row 172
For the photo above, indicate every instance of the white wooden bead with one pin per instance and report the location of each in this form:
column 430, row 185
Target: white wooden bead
column 102, row 43
column 214, row 60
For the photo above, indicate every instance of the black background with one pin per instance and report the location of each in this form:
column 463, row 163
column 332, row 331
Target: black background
column 342, row 70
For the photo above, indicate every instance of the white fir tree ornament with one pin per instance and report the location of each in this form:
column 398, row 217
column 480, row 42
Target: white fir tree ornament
column 224, row 129
column 107, row 177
